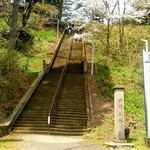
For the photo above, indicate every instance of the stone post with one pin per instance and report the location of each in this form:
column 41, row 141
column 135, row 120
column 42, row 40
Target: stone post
column 119, row 114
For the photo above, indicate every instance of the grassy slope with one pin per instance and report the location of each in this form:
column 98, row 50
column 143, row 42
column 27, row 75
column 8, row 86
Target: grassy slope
column 117, row 67
column 31, row 62
column 24, row 66
column 126, row 69
column 42, row 49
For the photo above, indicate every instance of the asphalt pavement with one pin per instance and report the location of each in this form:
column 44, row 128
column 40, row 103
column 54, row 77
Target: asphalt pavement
column 47, row 142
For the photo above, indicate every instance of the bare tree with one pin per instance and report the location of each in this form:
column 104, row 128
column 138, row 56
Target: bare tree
column 108, row 13
column 121, row 25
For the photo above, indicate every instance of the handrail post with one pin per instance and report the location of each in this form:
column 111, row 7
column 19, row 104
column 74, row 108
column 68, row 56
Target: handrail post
column 49, row 120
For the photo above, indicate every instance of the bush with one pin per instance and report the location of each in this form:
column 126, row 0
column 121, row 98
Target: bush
column 13, row 81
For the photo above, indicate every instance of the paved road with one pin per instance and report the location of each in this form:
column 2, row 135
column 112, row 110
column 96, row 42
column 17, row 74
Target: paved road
column 46, row 142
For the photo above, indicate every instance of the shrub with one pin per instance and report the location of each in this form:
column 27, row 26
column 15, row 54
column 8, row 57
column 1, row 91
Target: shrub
column 13, row 81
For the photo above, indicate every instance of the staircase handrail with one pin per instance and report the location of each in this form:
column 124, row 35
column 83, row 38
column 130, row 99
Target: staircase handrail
column 57, row 93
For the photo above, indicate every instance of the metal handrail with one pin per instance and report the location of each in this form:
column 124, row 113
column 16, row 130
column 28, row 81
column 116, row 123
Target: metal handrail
column 56, row 52
column 57, row 93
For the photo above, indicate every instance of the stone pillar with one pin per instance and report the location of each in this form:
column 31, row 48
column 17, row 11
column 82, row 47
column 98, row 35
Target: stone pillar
column 119, row 114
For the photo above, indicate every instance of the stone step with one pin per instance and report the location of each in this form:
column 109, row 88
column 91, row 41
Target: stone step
column 32, row 119
column 75, row 118
column 35, row 108
column 71, row 106
column 68, row 126
column 31, row 128
column 46, row 101
column 22, row 121
column 30, row 132
column 72, row 88
column 40, row 100
column 63, row 119
column 67, row 106
column 76, row 105
column 70, row 109
column 71, row 96
column 66, row 133
column 73, row 100
column 66, row 89
column 28, row 124
column 66, row 130
column 23, row 115
column 68, row 122
column 70, row 113
column 68, row 100
column 39, row 105
column 35, row 111
column 38, row 113
column 81, row 116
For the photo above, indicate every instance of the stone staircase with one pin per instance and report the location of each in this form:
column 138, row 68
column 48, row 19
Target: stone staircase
column 69, row 116
column 33, row 118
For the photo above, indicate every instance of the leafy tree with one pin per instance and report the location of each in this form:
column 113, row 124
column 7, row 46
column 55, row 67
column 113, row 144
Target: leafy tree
column 144, row 6
column 108, row 13
column 26, row 11
column 111, row 12
column 58, row 4
column 3, row 5
column 105, row 10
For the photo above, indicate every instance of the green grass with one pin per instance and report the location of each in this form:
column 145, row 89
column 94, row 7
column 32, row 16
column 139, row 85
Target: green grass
column 10, row 144
column 23, row 66
column 124, row 68
column 46, row 35
column 134, row 96
column 38, row 51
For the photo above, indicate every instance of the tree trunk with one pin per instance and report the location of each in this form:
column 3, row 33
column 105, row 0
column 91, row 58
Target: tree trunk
column 13, row 28
column 121, row 28
column 108, row 35
column 25, row 18
column 60, row 9
column 121, row 34
column 26, row 14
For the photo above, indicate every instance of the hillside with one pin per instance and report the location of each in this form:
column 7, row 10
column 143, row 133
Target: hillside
column 113, row 66
column 19, row 68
